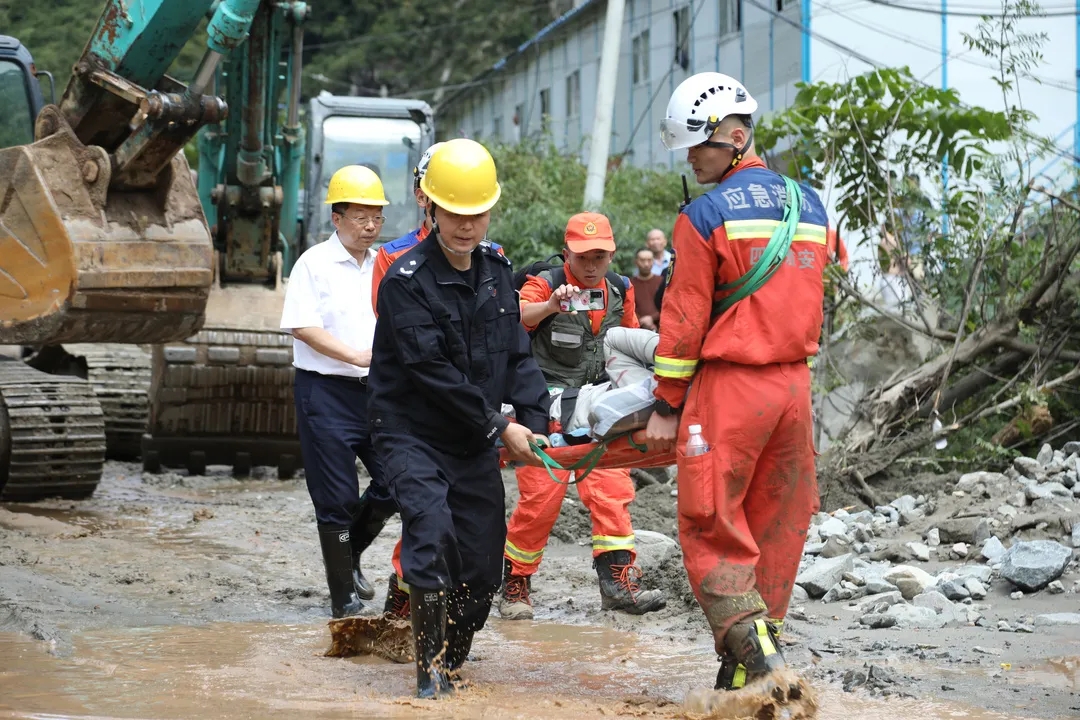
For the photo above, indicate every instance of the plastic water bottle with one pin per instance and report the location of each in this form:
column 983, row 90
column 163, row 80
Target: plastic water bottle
column 696, row 444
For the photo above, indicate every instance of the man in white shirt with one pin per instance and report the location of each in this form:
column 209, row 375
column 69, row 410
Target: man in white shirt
column 328, row 310
column 656, row 241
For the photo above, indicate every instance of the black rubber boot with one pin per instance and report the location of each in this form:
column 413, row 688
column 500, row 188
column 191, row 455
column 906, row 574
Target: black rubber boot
column 429, row 641
column 397, row 600
column 337, row 557
column 620, row 587
column 732, row 674
column 468, row 613
column 755, row 645
column 368, row 522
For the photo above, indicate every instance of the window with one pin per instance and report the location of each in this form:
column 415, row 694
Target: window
column 731, row 16
column 682, row 37
column 573, row 94
column 780, row 5
column 17, row 121
column 545, row 107
column 496, row 127
column 519, row 122
column 641, row 57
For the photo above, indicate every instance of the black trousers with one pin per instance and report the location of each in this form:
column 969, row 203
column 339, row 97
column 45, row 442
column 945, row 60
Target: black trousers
column 453, row 516
column 331, row 415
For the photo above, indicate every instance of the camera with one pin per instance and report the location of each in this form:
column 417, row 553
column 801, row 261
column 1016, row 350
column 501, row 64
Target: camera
column 584, row 301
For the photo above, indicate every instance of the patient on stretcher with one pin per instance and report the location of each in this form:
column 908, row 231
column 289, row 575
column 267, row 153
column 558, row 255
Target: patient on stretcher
column 624, row 402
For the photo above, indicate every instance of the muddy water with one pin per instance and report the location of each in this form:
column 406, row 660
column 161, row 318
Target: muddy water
column 245, row 670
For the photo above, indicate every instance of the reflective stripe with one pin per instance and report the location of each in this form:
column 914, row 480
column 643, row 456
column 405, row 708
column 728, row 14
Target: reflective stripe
column 739, row 680
column 763, row 229
column 767, row 647
column 522, row 556
column 612, row 542
column 674, row 367
column 402, row 585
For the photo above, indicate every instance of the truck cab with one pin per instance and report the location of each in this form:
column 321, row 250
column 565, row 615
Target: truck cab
column 386, row 134
column 20, row 93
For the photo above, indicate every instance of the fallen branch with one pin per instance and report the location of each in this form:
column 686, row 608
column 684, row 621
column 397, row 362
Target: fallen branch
column 903, row 322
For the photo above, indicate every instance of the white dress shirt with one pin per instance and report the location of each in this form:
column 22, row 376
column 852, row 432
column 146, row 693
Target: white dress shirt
column 329, row 289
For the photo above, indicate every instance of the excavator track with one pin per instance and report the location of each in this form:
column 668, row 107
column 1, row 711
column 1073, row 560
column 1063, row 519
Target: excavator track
column 52, row 435
column 120, row 375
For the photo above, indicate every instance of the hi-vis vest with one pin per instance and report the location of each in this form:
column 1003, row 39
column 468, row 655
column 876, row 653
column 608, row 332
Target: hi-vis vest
column 566, row 349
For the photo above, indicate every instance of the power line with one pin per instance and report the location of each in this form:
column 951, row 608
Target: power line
column 961, row 13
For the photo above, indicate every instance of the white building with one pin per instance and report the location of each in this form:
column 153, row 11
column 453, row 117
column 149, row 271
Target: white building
column 769, row 44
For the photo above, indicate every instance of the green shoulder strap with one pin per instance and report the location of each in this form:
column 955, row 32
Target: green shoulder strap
column 775, row 254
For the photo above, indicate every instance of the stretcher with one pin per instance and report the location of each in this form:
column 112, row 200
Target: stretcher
column 625, row 450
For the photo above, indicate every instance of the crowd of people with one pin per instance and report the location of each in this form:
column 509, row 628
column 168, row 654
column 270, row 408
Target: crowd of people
column 405, row 357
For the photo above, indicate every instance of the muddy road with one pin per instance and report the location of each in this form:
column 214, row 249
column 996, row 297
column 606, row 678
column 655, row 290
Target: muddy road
column 168, row 596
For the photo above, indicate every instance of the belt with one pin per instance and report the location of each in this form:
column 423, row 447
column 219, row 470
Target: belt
column 343, row 378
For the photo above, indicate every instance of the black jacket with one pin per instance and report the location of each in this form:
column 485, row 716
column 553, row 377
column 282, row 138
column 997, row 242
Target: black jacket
column 445, row 357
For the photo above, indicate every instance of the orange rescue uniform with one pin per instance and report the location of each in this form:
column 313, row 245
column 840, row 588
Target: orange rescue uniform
column 745, row 506
column 606, row 494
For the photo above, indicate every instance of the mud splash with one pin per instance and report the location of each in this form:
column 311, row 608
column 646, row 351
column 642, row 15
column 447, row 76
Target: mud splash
column 238, row 671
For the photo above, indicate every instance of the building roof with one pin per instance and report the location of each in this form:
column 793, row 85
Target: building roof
column 536, row 39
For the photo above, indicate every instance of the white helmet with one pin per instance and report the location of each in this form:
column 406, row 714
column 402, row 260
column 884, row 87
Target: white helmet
column 421, row 167
column 698, row 105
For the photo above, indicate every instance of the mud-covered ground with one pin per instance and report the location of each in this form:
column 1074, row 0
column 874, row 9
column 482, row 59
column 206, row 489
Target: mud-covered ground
column 173, row 596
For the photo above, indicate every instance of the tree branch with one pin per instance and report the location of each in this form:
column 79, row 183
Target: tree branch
column 926, row 332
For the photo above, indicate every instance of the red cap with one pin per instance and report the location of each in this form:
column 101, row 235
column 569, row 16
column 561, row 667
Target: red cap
column 589, row 231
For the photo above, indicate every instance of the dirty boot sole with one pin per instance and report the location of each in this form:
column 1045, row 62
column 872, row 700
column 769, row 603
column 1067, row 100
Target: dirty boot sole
column 515, row 610
column 386, row 636
column 648, row 601
column 780, row 695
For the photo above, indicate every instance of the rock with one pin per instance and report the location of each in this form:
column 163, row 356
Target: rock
column 863, row 548
column 823, row 574
column 813, row 548
column 1046, row 455
column 975, row 589
column 904, row 504
column 955, row 590
column 863, row 517
column 933, row 537
column 1032, row 565
column 831, row 527
column 837, row 593
column 1076, row 490
column 862, row 534
column 983, row 530
column 877, row 587
column 957, row 530
column 1007, row 510
column 1068, row 478
column 878, row 621
column 910, row 616
column 1076, row 535
column 969, row 481
column 655, row 552
column 910, row 517
column 1024, row 628
column 920, row 551
column 1071, row 447
column 1056, row 588
column 938, row 603
column 1058, row 619
column 960, row 550
column 1029, row 467
column 854, row 578
column 1018, row 499
column 992, row 549
column 911, row 586
column 836, row 546
column 1056, row 488
column 1004, row 626
column 981, row 573
column 1038, row 492
column 798, row 595
column 868, row 604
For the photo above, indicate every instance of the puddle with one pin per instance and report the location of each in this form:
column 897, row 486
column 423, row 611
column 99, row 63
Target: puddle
column 247, row 670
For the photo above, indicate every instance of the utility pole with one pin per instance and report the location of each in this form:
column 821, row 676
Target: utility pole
column 605, row 105
column 806, row 5
column 945, row 86
column 1076, row 127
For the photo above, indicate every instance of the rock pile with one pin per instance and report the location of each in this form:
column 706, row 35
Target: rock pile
column 1014, row 532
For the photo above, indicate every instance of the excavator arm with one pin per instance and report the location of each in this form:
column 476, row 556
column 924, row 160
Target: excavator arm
column 102, row 237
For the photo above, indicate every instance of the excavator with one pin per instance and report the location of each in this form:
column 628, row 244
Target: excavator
column 110, row 246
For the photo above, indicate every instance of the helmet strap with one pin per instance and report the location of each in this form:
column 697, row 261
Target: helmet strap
column 438, row 235
column 740, row 152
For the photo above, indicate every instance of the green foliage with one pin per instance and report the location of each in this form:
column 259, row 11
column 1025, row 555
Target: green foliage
column 542, row 189
column 871, row 132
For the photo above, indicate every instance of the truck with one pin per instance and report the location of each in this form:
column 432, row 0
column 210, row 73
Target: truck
column 110, row 246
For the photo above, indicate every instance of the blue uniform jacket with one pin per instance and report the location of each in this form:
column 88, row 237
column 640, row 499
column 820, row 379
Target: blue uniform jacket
column 446, row 357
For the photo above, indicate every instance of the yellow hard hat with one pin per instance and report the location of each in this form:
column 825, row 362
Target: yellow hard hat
column 461, row 178
column 356, row 184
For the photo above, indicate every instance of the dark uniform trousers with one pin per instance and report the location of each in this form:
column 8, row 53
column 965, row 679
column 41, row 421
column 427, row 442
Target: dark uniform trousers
column 453, row 516
column 331, row 415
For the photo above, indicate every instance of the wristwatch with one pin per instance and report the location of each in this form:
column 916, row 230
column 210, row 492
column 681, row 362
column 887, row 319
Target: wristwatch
column 664, row 409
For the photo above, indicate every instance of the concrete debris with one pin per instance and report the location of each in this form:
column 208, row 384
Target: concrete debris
column 1032, row 565
column 933, row 537
column 1056, row 588
column 992, row 549
column 920, row 551
column 910, row 616
column 824, row 573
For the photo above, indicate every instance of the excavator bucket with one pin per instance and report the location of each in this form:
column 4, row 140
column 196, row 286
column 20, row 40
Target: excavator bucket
column 81, row 261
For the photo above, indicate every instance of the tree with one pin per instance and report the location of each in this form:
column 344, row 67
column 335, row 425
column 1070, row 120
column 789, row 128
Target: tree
column 989, row 262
